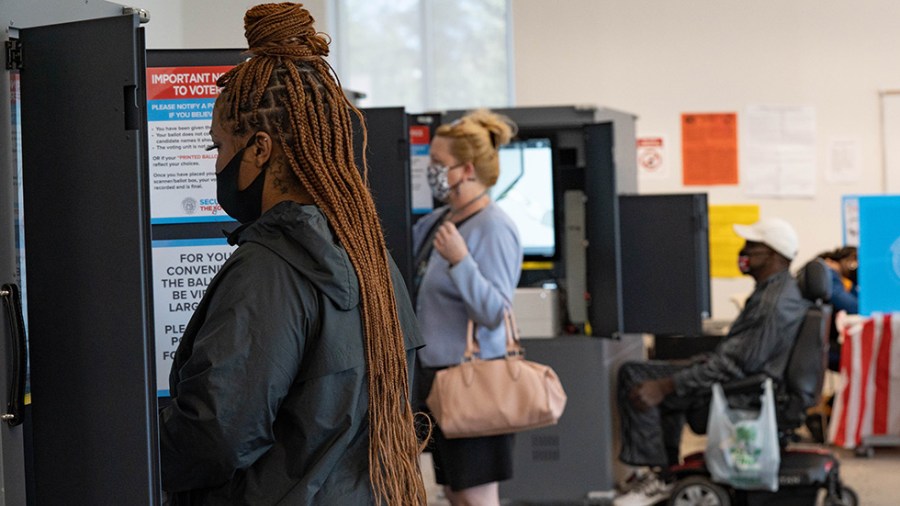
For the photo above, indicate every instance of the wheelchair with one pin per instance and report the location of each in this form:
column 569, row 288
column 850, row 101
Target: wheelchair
column 807, row 476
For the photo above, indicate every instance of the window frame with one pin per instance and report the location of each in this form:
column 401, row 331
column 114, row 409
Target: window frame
column 339, row 56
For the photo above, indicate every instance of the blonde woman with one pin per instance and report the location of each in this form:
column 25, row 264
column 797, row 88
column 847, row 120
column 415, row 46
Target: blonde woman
column 468, row 260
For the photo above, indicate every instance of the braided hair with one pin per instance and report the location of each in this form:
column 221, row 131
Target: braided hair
column 289, row 90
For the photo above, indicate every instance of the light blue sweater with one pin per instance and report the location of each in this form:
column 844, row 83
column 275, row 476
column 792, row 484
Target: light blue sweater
column 479, row 287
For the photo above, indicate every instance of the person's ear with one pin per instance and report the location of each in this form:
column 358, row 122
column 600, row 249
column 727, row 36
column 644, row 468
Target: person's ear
column 263, row 145
column 469, row 171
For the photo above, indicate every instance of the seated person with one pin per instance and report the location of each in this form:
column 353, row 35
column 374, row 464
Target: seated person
column 844, row 293
column 656, row 398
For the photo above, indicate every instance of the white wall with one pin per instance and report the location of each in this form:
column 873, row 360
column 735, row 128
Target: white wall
column 166, row 28
column 658, row 59
column 206, row 24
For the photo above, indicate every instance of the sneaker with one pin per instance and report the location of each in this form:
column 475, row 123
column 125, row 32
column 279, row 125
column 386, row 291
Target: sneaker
column 648, row 492
column 635, row 479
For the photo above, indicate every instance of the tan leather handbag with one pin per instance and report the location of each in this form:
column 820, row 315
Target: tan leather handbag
column 490, row 397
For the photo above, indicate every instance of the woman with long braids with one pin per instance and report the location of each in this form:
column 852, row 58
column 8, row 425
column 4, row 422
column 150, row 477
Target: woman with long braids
column 468, row 260
column 291, row 382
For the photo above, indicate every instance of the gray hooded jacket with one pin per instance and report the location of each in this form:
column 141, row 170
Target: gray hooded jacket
column 269, row 389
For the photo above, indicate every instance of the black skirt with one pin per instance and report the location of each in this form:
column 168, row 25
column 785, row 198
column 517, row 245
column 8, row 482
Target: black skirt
column 462, row 463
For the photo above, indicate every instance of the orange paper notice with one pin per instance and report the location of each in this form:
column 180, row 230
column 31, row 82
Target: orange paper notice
column 709, row 149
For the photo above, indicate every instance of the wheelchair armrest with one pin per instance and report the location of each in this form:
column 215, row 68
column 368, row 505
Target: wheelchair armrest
column 750, row 384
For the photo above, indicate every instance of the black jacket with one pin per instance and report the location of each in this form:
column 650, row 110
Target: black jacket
column 759, row 341
column 269, row 388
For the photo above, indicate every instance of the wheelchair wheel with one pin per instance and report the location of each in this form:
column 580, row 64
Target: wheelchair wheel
column 698, row 491
column 846, row 497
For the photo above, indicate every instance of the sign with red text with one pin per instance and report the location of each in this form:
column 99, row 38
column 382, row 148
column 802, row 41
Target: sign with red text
column 182, row 171
column 419, row 155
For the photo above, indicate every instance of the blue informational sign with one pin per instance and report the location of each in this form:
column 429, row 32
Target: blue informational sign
column 182, row 182
column 879, row 254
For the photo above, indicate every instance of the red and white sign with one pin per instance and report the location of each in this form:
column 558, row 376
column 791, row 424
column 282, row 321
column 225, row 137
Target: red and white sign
column 651, row 156
column 167, row 83
column 419, row 134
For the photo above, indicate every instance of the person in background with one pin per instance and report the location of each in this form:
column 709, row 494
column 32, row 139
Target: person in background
column 843, row 263
column 656, row 398
column 290, row 384
column 468, row 258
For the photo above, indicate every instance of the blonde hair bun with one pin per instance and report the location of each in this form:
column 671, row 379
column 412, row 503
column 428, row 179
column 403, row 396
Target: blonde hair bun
column 500, row 129
column 476, row 137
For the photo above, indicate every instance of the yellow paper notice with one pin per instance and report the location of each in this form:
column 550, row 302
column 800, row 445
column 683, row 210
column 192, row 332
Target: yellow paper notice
column 724, row 244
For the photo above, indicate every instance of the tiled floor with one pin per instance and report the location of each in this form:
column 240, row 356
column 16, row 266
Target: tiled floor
column 876, row 479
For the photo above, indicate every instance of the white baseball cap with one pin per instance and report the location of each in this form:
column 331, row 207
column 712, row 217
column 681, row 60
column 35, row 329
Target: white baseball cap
column 774, row 233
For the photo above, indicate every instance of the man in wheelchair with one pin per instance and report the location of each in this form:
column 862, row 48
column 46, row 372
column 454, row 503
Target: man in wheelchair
column 656, row 398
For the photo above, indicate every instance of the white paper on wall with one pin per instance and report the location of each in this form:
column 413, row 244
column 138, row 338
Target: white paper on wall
column 843, row 160
column 779, row 151
column 890, row 139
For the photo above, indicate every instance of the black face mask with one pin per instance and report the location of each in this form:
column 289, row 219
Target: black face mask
column 243, row 205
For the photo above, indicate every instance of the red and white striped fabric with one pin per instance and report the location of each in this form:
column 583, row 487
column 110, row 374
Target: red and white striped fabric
column 867, row 399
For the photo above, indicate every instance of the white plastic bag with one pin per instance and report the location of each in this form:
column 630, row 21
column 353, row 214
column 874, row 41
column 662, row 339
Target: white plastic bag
column 742, row 445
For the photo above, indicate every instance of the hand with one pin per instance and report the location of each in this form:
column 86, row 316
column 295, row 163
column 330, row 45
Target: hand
column 450, row 244
column 650, row 393
column 698, row 358
column 835, row 266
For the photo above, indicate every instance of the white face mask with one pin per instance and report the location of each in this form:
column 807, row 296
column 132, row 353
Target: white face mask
column 438, row 181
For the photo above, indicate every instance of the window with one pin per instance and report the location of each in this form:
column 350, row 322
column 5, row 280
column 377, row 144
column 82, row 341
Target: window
column 425, row 54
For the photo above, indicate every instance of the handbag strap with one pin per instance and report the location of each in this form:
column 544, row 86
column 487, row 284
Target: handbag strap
column 472, row 346
column 420, row 263
column 513, row 345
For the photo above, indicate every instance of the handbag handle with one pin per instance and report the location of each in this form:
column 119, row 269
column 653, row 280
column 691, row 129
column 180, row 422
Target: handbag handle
column 472, row 346
column 513, row 349
column 513, row 346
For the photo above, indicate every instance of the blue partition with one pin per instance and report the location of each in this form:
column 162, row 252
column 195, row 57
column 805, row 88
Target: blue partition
column 879, row 254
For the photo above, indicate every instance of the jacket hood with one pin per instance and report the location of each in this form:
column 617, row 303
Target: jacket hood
column 300, row 235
